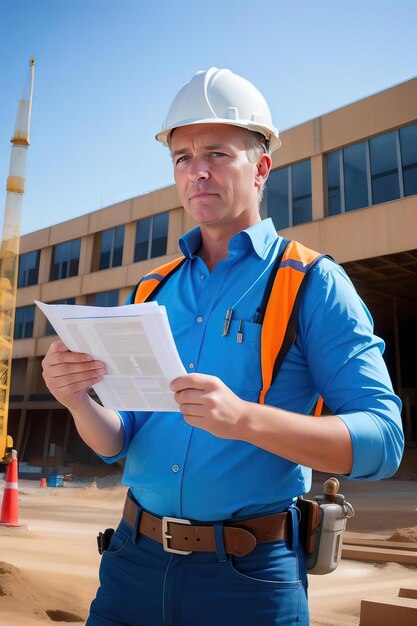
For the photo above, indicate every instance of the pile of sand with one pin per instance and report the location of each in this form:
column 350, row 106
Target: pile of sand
column 408, row 535
column 20, row 594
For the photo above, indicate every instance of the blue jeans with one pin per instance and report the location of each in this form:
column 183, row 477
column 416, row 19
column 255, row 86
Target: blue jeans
column 141, row 585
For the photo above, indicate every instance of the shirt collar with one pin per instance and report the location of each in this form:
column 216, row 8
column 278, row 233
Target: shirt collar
column 259, row 237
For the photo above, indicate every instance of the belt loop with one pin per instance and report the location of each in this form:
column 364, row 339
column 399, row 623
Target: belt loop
column 219, row 539
column 294, row 512
column 135, row 530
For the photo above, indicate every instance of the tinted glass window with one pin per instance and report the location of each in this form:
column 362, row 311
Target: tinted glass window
column 142, row 239
column 65, row 259
column 23, row 326
column 301, row 193
column 333, row 183
column 111, row 252
column 119, row 236
column 106, row 298
column 75, row 256
column 106, row 247
column 384, row 168
column 408, row 141
column 277, row 198
column 151, row 237
column 159, row 235
column 354, row 169
column 28, row 269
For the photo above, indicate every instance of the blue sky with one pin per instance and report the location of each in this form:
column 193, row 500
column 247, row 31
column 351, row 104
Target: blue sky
column 106, row 72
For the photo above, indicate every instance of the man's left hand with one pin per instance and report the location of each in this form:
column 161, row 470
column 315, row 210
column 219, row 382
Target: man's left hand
column 207, row 403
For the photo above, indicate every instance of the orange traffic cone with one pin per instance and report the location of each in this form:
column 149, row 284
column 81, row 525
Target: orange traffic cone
column 9, row 509
column 43, row 482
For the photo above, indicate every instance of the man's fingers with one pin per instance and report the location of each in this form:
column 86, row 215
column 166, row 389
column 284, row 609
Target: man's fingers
column 68, row 368
column 58, row 352
column 191, row 396
column 70, row 357
column 77, row 377
column 194, row 381
column 66, row 392
column 191, row 415
column 66, row 357
column 57, row 346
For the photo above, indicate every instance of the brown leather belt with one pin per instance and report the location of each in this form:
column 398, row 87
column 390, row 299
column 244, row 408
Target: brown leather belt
column 183, row 537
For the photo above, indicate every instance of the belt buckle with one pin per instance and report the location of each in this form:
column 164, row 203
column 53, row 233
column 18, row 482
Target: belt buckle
column 166, row 536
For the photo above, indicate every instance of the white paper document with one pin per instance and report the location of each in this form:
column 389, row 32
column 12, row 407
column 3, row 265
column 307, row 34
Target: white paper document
column 136, row 344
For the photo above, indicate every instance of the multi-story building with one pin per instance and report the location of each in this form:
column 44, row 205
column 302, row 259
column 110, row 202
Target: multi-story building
column 344, row 183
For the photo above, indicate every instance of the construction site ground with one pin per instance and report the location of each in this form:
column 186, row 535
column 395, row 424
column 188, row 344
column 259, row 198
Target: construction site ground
column 51, row 574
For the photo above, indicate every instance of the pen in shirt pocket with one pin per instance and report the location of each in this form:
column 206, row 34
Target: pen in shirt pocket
column 239, row 337
column 255, row 318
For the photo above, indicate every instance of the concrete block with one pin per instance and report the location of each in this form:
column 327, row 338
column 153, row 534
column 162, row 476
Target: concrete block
column 381, row 543
column 398, row 611
column 363, row 553
column 405, row 592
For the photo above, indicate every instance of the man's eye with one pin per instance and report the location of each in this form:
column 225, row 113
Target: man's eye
column 181, row 159
column 218, row 154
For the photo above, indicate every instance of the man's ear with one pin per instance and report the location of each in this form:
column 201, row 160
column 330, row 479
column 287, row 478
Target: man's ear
column 263, row 168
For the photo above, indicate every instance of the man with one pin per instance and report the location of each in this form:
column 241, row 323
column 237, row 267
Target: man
column 228, row 467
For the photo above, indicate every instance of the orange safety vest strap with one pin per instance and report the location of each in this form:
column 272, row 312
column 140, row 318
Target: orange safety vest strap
column 280, row 319
column 319, row 406
column 154, row 280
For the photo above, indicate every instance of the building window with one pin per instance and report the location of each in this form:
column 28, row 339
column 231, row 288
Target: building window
column 408, row 142
column 65, row 259
column 384, row 168
column 355, row 177
column 28, row 269
column 288, row 195
column 151, row 237
column 104, row 298
column 381, row 169
column 17, row 383
column 50, row 329
column 333, row 183
column 111, row 251
column 277, row 197
column 23, row 325
column 301, row 193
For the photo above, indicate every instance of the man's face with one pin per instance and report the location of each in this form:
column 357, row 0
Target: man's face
column 216, row 180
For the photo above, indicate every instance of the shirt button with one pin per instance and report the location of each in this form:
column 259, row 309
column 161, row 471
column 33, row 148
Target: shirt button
column 199, row 320
column 191, row 366
column 202, row 276
column 175, row 468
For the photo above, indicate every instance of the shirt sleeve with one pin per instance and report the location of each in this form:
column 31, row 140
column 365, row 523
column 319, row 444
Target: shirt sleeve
column 132, row 421
column 345, row 360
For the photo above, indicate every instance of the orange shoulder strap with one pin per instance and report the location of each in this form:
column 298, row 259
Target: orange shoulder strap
column 152, row 281
column 279, row 325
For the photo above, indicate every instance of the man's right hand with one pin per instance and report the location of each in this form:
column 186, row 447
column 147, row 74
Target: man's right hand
column 69, row 374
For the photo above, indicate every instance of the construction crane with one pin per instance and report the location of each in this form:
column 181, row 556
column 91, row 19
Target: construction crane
column 9, row 254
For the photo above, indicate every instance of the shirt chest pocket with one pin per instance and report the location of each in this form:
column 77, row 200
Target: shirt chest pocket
column 238, row 363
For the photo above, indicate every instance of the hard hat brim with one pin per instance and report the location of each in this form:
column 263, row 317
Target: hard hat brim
column 274, row 141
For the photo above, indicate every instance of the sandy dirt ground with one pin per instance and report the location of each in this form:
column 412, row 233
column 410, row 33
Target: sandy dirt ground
column 50, row 576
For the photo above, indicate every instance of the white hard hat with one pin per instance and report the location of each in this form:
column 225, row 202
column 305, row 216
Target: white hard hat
column 218, row 96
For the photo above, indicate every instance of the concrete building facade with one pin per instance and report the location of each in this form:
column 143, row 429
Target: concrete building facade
column 344, row 183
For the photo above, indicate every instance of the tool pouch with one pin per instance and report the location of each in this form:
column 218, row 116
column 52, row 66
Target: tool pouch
column 309, row 523
column 103, row 540
column 322, row 525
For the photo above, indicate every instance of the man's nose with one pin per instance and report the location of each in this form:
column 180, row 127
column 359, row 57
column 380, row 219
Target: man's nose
column 198, row 171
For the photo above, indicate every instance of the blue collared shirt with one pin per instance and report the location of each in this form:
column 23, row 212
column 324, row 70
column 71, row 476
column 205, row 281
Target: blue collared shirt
column 178, row 470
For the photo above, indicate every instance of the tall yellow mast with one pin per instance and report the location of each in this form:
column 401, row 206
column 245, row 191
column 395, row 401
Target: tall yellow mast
column 9, row 253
